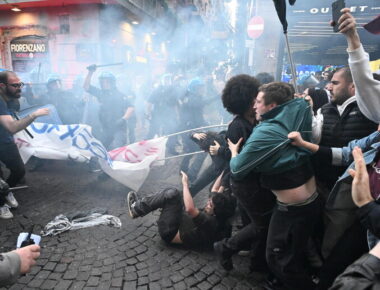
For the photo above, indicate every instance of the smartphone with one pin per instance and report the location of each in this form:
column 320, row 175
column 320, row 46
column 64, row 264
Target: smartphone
column 336, row 7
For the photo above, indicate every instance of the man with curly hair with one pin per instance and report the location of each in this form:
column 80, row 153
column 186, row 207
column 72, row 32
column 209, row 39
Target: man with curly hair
column 238, row 98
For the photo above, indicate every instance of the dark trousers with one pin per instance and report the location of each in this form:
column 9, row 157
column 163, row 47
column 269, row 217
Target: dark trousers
column 258, row 204
column 170, row 200
column 208, row 175
column 11, row 158
column 289, row 232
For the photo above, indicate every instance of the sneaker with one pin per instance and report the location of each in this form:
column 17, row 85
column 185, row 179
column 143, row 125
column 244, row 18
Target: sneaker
column 224, row 258
column 5, row 213
column 11, row 201
column 131, row 200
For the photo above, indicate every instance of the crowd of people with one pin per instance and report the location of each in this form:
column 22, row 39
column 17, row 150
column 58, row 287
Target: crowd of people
column 291, row 164
column 305, row 217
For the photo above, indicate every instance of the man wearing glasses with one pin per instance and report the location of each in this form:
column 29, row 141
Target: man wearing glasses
column 10, row 92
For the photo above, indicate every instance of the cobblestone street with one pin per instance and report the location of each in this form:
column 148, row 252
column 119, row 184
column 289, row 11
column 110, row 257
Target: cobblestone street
column 101, row 257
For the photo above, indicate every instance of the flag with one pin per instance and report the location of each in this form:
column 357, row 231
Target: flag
column 373, row 26
column 280, row 6
column 130, row 165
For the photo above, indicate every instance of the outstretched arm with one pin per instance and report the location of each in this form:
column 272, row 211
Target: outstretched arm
column 367, row 89
column 187, row 198
column 298, row 141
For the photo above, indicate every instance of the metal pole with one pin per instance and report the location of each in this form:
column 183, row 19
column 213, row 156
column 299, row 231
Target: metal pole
column 182, row 155
column 200, row 128
column 294, row 76
column 18, row 187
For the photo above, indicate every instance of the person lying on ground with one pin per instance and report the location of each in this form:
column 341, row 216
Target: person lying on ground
column 180, row 222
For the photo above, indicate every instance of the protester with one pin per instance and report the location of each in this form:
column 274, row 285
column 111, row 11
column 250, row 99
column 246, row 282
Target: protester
column 367, row 89
column 10, row 91
column 180, row 222
column 289, row 175
column 364, row 273
column 257, row 203
column 318, row 96
column 17, row 262
column 218, row 163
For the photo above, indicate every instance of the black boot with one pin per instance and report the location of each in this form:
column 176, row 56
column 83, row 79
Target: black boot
column 141, row 207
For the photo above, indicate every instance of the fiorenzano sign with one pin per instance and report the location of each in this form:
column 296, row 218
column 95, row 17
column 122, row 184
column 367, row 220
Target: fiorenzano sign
column 28, row 47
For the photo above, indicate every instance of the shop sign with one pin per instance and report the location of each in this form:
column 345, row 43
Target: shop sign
column 29, row 47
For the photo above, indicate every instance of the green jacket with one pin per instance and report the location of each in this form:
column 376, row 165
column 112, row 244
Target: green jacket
column 268, row 149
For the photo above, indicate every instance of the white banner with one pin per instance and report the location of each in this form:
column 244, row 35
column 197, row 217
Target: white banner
column 129, row 165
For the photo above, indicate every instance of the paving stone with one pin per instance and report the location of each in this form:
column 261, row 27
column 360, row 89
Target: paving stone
column 154, row 276
column 83, row 276
column 25, row 279
column 176, row 278
column 106, row 277
column 143, row 272
column 130, row 276
column 108, row 261
column 55, row 276
column 49, row 284
column 143, row 281
column 35, row 283
column 93, row 281
column 43, row 274
column 220, row 287
column 16, row 287
column 154, row 286
column 50, row 266
column 191, row 281
column 70, row 275
column 85, row 268
column 104, row 285
column 96, row 272
column 117, row 282
column 180, row 286
column 34, row 270
column 78, row 285
column 60, row 268
column 186, row 272
column 213, row 279
column 166, row 282
column 118, row 273
column 200, row 276
column 204, row 285
column 63, row 285
column 108, row 268
column 55, row 258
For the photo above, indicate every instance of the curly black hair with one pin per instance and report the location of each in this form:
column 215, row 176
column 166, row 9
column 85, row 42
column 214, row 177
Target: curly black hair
column 239, row 93
column 224, row 205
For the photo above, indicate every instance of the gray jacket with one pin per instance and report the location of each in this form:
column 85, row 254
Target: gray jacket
column 10, row 264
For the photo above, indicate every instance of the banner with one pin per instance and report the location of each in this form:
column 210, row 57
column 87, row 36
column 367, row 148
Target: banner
column 129, row 165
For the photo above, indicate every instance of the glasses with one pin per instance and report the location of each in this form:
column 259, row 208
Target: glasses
column 17, row 85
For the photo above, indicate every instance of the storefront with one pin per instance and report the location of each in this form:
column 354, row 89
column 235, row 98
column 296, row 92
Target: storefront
column 29, row 52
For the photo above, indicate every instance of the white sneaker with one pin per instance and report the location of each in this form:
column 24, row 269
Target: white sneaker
column 11, row 201
column 5, row 213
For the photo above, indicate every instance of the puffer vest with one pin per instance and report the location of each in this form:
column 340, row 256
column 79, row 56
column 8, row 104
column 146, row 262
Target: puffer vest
column 338, row 131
